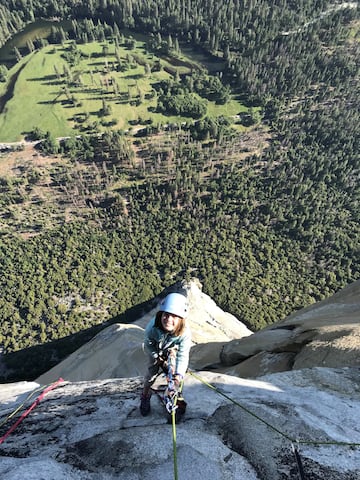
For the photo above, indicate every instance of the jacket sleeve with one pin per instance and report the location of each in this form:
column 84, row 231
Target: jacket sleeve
column 182, row 356
column 150, row 342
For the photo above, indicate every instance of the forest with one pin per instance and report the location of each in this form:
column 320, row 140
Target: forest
column 268, row 226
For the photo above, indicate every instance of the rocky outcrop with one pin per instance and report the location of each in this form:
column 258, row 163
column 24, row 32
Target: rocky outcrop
column 325, row 334
column 234, row 428
column 117, row 350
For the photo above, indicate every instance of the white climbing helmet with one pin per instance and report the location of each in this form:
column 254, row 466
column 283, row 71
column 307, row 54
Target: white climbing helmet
column 176, row 304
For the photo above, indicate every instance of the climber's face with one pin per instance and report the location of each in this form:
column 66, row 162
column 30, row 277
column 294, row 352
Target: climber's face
column 170, row 321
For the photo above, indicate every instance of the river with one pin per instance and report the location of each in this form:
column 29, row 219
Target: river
column 32, row 31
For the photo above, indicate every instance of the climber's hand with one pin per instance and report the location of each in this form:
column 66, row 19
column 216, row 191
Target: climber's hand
column 173, row 385
column 162, row 363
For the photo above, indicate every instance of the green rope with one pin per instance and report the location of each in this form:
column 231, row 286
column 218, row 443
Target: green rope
column 292, row 440
column 174, row 441
column 173, row 421
column 19, row 407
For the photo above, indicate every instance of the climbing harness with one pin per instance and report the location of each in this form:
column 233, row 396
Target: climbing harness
column 26, row 413
column 283, row 434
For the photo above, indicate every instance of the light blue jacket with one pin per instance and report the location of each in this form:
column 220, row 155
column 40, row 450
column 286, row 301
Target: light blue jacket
column 158, row 342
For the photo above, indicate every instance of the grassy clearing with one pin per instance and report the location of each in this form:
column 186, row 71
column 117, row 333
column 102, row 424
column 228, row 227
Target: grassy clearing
column 94, row 93
column 32, row 103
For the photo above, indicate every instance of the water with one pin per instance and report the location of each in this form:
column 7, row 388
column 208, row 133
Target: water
column 32, row 31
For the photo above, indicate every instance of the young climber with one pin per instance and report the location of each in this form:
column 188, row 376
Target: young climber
column 167, row 343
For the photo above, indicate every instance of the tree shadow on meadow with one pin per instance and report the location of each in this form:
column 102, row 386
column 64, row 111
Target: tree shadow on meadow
column 46, row 79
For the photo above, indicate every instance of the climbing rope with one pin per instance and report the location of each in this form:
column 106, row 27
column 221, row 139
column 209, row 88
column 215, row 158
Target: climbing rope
column 288, row 437
column 173, row 422
column 19, row 407
column 171, row 407
column 170, row 403
column 26, row 413
column 283, row 434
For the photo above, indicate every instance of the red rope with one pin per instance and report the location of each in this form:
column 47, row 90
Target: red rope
column 26, row 413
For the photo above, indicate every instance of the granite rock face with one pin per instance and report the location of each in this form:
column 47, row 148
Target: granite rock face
column 117, row 350
column 233, row 429
column 90, row 427
column 326, row 334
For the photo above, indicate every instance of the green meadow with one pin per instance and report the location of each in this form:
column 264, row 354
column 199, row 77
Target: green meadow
column 67, row 89
column 32, row 102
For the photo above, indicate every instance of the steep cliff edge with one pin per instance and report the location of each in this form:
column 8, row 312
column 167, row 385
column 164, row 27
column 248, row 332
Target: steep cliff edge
column 272, row 427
